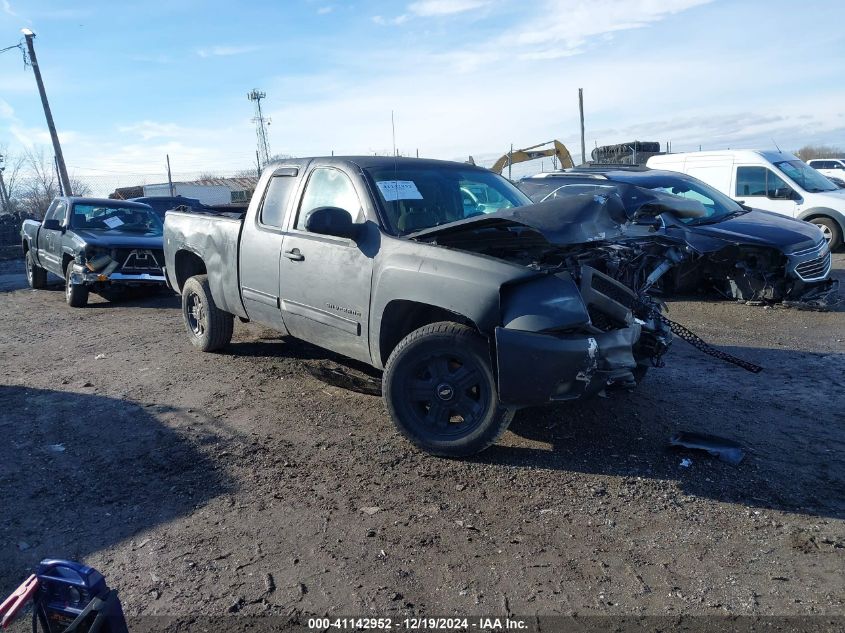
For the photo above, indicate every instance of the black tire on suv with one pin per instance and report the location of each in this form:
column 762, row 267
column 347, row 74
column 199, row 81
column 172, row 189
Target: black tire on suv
column 209, row 328
column 441, row 393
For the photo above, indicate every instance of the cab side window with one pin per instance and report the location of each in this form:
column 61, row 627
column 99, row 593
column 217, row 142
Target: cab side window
column 329, row 187
column 57, row 212
column 758, row 181
column 275, row 202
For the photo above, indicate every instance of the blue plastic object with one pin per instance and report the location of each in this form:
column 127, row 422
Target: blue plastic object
column 67, row 589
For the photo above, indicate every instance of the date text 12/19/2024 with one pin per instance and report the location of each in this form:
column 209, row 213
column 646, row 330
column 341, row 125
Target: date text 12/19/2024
column 418, row 624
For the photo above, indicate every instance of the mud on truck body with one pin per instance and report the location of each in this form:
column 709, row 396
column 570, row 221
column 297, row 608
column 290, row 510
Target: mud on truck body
column 473, row 302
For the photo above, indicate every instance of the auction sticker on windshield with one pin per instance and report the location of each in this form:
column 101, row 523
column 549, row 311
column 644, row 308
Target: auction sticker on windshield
column 399, row 190
column 113, row 223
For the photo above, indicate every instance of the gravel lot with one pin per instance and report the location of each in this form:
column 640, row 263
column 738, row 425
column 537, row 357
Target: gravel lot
column 207, row 484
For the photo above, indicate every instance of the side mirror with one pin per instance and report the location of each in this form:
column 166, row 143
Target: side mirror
column 331, row 221
column 52, row 225
column 783, row 193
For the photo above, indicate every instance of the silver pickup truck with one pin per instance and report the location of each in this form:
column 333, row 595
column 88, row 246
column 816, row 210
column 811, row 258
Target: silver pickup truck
column 473, row 301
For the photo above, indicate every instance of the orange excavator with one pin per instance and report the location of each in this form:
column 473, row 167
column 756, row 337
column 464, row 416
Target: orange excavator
column 558, row 150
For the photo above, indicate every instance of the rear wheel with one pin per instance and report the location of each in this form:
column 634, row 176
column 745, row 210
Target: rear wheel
column 35, row 275
column 209, row 328
column 441, row 393
column 76, row 295
column 830, row 230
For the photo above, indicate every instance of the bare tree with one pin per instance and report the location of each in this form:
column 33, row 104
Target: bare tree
column 11, row 166
column 37, row 184
column 809, row 152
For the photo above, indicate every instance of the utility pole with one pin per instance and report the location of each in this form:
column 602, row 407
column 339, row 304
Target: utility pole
column 581, row 111
column 59, row 174
column 169, row 178
column 261, row 125
column 57, row 148
column 4, row 195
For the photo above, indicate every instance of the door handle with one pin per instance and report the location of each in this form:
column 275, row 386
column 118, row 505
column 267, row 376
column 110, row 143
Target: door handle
column 294, row 255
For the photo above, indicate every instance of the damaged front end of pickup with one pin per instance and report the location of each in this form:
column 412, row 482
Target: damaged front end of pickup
column 587, row 321
column 103, row 268
column 578, row 327
column 563, row 339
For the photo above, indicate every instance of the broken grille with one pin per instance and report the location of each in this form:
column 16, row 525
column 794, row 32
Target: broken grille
column 612, row 290
column 814, row 269
column 141, row 260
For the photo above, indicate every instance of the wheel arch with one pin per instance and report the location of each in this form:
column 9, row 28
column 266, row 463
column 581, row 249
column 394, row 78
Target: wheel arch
column 403, row 316
column 824, row 212
column 187, row 264
column 67, row 258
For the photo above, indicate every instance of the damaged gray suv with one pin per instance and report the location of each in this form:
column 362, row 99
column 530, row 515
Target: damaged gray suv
column 473, row 301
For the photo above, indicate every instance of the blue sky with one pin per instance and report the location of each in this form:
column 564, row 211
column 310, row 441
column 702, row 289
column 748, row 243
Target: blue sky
column 132, row 81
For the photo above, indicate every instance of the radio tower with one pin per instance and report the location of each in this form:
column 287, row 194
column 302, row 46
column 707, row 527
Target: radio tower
column 260, row 126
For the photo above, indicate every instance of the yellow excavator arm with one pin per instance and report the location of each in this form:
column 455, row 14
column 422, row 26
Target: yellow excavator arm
column 530, row 153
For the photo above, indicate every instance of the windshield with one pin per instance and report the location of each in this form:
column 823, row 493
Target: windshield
column 805, row 176
column 417, row 197
column 716, row 204
column 116, row 218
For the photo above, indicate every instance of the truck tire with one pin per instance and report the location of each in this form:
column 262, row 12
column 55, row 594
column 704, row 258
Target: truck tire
column 76, row 295
column 35, row 275
column 209, row 328
column 831, row 231
column 441, row 393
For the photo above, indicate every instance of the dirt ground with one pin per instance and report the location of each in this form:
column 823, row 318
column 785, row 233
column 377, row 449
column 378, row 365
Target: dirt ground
column 237, row 482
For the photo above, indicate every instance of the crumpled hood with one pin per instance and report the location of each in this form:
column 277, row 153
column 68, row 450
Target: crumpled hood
column 116, row 239
column 765, row 229
column 572, row 220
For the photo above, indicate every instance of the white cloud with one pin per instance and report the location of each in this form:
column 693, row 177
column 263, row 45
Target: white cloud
column 7, row 8
column 6, row 111
column 226, row 51
column 427, row 8
column 564, row 28
column 325, row 10
column 431, row 8
column 383, row 21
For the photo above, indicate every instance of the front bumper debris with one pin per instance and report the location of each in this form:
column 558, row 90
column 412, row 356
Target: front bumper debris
column 82, row 276
column 536, row 368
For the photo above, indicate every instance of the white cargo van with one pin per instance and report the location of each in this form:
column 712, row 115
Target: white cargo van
column 767, row 180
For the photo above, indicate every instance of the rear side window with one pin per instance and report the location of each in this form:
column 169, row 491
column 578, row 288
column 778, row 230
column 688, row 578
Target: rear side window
column 757, row 181
column 276, row 200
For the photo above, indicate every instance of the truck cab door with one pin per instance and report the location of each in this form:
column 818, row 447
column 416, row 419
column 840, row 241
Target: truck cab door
column 50, row 240
column 260, row 247
column 761, row 188
column 325, row 280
